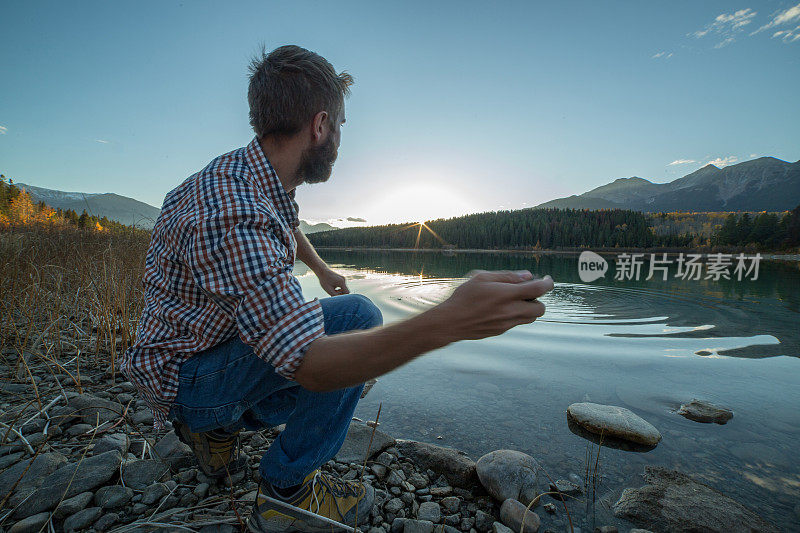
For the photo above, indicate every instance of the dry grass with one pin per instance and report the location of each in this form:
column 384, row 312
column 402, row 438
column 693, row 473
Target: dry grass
column 68, row 298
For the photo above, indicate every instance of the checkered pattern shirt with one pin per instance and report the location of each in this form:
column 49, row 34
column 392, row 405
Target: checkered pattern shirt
column 220, row 264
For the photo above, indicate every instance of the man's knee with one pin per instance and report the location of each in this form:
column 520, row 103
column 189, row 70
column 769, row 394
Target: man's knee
column 368, row 312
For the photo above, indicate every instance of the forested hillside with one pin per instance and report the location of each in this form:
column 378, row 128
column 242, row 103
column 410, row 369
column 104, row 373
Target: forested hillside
column 523, row 229
column 530, row 229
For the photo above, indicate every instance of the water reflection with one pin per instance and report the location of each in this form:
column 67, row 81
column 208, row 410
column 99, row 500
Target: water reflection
column 648, row 346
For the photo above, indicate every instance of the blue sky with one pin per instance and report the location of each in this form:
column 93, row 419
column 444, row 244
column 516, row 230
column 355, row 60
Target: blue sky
column 458, row 106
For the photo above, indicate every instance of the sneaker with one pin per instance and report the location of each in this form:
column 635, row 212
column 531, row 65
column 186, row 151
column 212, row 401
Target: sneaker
column 216, row 452
column 322, row 503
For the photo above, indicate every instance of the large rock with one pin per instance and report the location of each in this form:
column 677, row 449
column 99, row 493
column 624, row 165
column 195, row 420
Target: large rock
column 142, row 473
column 509, row 474
column 611, row 422
column 29, row 478
column 175, row 453
column 453, row 464
column 671, row 501
column 72, row 505
column 90, row 409
column 512, row 514
column 69, row 480
column 705, row 412
column 357, row 442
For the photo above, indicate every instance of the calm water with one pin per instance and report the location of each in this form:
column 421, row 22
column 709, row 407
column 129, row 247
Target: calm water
column 647, row 345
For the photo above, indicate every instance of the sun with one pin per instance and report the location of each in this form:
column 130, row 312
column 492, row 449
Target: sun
column 420, row 202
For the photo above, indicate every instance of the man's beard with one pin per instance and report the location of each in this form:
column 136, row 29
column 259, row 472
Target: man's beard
column 316, row 164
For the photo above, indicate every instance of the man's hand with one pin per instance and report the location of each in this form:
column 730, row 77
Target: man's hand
column 490, row 303
column 332, row 282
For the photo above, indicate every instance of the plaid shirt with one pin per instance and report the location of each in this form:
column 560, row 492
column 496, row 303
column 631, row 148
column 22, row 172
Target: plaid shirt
column 220, row 264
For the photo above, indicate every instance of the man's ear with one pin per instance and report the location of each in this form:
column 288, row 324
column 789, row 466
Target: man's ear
column 319, row 126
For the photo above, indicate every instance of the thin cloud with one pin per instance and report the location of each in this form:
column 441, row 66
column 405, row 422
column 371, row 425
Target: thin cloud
column 682, row 162
column 786, row 17
column 723, row 161
column 355, row 219
column 727, row 26
column 788, row 36
column 662, row 54
column 3, row 130
column 102, row 141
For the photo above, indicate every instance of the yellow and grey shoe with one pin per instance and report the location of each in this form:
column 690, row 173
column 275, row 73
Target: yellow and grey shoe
column 217, row 453
column 322, row 503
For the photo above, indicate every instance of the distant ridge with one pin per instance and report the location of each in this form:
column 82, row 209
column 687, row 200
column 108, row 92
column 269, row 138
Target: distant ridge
column 118, row 208
column 763, row 184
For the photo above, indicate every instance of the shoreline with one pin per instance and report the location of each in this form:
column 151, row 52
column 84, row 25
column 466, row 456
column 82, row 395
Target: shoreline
column 670, row 251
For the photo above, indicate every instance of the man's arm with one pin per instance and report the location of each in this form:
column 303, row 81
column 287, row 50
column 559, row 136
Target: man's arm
column 488, row 304
column 332, row 282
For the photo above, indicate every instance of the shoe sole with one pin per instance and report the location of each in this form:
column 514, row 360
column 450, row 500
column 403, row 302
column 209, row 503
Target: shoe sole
column 296, row 519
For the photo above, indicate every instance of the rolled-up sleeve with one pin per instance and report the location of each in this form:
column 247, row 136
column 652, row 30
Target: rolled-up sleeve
column 241, row 260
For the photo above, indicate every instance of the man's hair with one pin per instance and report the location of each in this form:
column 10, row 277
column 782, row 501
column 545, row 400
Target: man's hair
column 289, row 86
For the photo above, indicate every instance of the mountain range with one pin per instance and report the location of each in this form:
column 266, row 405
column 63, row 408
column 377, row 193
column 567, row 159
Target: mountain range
column 119, row 208
column 763, row 184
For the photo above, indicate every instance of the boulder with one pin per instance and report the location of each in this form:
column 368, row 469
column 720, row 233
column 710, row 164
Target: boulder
column 512, row 514
column 671, row 501
column 453, row 464
column 612, row 425
column 705, row 412
column 509, row 474
column 357, row 442
column 69, row 480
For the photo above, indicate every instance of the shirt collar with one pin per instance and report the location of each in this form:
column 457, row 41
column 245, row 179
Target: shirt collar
column 267, row 179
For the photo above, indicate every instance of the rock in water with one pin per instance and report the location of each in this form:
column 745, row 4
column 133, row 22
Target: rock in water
column 671, row 501
column 610, row 421
column 705, row 412
column 358, row 440
column 509, row 474
column 453, row 464
column 512, row 514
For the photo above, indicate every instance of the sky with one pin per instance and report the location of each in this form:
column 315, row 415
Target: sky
column 458, row 107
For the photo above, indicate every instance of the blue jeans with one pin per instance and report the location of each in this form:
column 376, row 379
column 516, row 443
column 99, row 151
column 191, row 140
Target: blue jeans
column 228, row 387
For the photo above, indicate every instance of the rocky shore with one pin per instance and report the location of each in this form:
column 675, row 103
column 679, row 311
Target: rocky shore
column 88, row 459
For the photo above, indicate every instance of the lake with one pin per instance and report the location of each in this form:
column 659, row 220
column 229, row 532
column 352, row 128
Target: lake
column 647, row 345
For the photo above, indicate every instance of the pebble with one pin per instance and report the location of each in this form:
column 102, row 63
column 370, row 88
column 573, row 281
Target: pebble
column 113, row 496
column 512, row 514
column 430, row 511
column 32, row 524
column 82, row 519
